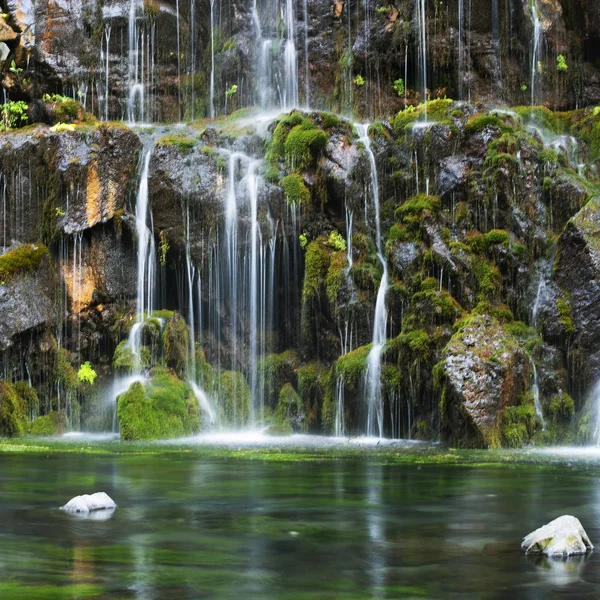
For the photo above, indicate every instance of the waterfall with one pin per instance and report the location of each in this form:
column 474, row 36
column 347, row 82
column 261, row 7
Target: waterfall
column 252, row 190
column 136, row 74
column 231, row 252
column 539, row 296
column 339, row 415
column 107, row 30
column 373, row 383
column 146, row 275
column 277, row 75
column 193, row 50
column 595, row 399
column 146, row 263
column 290, row 98
column 460, row 48
column 211, row 106
column 306, row 77
column 422, row 24
column 536, row 395
column 536, row 53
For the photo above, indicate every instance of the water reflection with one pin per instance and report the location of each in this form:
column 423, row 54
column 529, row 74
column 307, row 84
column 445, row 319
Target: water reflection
column 188, row 527
column 559, row 572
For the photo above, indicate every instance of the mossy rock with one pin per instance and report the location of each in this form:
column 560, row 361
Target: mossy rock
column 352, row 367
column 275, row 370
column 123, row 358
column 316, row 263
column 234, row 398
column 165, row 408
column 54, row 423
column 176, row 343
column 23, row 259
column 289, row 408
column 314, row 381
column 180, row 141
column 295, row 190
column 13, row 411
column 29, row 396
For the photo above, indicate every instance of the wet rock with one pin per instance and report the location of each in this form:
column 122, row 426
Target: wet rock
column 89, row 503
column 27, row 302
column 576, row 272
column 484, row 370
column 564, row 536
column 453, row 174
column 404, row 256
column 74, row 180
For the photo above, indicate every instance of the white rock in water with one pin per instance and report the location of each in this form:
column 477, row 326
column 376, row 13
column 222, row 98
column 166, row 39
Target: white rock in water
column 564, row 536
column 88, row 503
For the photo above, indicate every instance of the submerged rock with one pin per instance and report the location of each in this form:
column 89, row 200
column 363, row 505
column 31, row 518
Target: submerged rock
column 89, row 503
column 564, row 536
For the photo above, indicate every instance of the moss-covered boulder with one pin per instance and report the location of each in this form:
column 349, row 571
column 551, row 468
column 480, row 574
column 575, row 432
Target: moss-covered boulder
column 13, row 411
column 234, row 399
column 484, row 370
column 275, row 370
column 54, row 423
column 176, row 343
column 289, row 408
column 163, row 408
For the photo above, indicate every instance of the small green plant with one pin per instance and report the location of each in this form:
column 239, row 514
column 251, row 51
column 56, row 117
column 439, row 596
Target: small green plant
column 398, row 85
column 59, row 127
column 59, row 211
column 163, row 247
column 359, row 81
column 596, row 111
column 231, row 91
column 561, row 64
column 523, row 88
column 14, row 114
column 86, row 373
column 336, row 241
column 303, row 240
column 383, row 9
column 14, row 69
column 47, row 98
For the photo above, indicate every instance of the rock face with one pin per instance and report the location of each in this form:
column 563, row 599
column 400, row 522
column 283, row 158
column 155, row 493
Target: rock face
column 564, row 536
column 484, row 371
column 268, row 262
column 483, row 53
column 576, row 272
column 89, row 503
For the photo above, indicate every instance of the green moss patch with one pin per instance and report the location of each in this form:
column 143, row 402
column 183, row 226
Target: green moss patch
column 164, row 408
column 295, row 190
column 23, row 259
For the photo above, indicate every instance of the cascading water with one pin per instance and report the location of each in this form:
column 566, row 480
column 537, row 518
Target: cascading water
column 136, row 65
column 421, row 21
column 146, row 276
column 373, row 382
column 211, row 106
column 536, row 51
column 290, row 97
column 277, row 73
column 539, row 298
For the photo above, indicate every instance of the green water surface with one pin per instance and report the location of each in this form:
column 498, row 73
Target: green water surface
column 193, row 525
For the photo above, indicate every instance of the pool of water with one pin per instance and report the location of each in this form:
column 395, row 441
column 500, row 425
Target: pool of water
column 188, row 526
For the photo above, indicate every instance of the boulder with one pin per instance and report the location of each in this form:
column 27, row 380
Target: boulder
column 483, row 372
column 576, row 272
column 89, row 503
column 564, row 536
